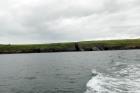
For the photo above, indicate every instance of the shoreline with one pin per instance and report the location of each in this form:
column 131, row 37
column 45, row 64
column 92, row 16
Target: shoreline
column 128, row 44
column 64, row 51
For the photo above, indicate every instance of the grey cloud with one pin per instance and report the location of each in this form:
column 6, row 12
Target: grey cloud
column 40, row 21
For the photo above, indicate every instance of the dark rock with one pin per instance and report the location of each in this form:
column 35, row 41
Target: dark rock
column 95, row 49
column 77, row 47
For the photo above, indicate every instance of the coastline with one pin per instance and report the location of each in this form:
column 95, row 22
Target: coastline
column 103, row 45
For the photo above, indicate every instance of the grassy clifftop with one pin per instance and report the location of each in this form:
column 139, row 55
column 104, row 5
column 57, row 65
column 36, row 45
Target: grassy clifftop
column 73, row 46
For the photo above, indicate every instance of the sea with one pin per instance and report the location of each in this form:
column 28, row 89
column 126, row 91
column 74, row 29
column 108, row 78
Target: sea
column 71, row 72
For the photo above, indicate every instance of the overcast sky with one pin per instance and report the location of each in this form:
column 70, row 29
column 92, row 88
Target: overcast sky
column 46, row 21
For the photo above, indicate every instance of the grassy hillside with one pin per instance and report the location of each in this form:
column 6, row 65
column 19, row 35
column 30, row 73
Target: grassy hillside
column 73, row 46
column 129, row 43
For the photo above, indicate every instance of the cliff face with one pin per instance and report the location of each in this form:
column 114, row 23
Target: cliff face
column 66, row 47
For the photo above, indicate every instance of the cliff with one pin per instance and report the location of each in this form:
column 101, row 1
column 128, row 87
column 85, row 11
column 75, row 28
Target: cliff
column 72, row 46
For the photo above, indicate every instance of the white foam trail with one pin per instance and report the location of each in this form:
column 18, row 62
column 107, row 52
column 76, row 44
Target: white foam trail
column 124, row 80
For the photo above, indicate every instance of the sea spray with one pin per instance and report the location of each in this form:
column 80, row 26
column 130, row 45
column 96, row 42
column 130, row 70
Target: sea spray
column 123, row 78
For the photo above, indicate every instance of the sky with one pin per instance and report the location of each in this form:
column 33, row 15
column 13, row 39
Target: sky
column 50, row 21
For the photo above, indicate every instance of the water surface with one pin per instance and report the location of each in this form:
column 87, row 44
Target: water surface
column 71, row 72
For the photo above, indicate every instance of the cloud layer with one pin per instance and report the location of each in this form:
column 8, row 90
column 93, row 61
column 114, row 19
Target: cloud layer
column 46, row 21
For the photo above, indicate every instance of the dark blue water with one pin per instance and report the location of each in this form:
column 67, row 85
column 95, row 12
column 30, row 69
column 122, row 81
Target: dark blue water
column 68, row 72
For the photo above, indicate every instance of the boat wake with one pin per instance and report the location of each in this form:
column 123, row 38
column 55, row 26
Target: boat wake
column 123, row 78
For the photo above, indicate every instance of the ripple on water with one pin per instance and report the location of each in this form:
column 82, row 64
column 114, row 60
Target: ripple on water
column 30, row 78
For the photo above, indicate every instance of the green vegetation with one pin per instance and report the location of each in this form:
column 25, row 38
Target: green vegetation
column 72, row 46
column 128, row 43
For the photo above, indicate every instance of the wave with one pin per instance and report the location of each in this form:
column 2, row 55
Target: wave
column 124, row 78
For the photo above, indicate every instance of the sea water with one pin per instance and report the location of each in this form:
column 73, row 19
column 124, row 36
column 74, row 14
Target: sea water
column 121, row 78
column 71, row 72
